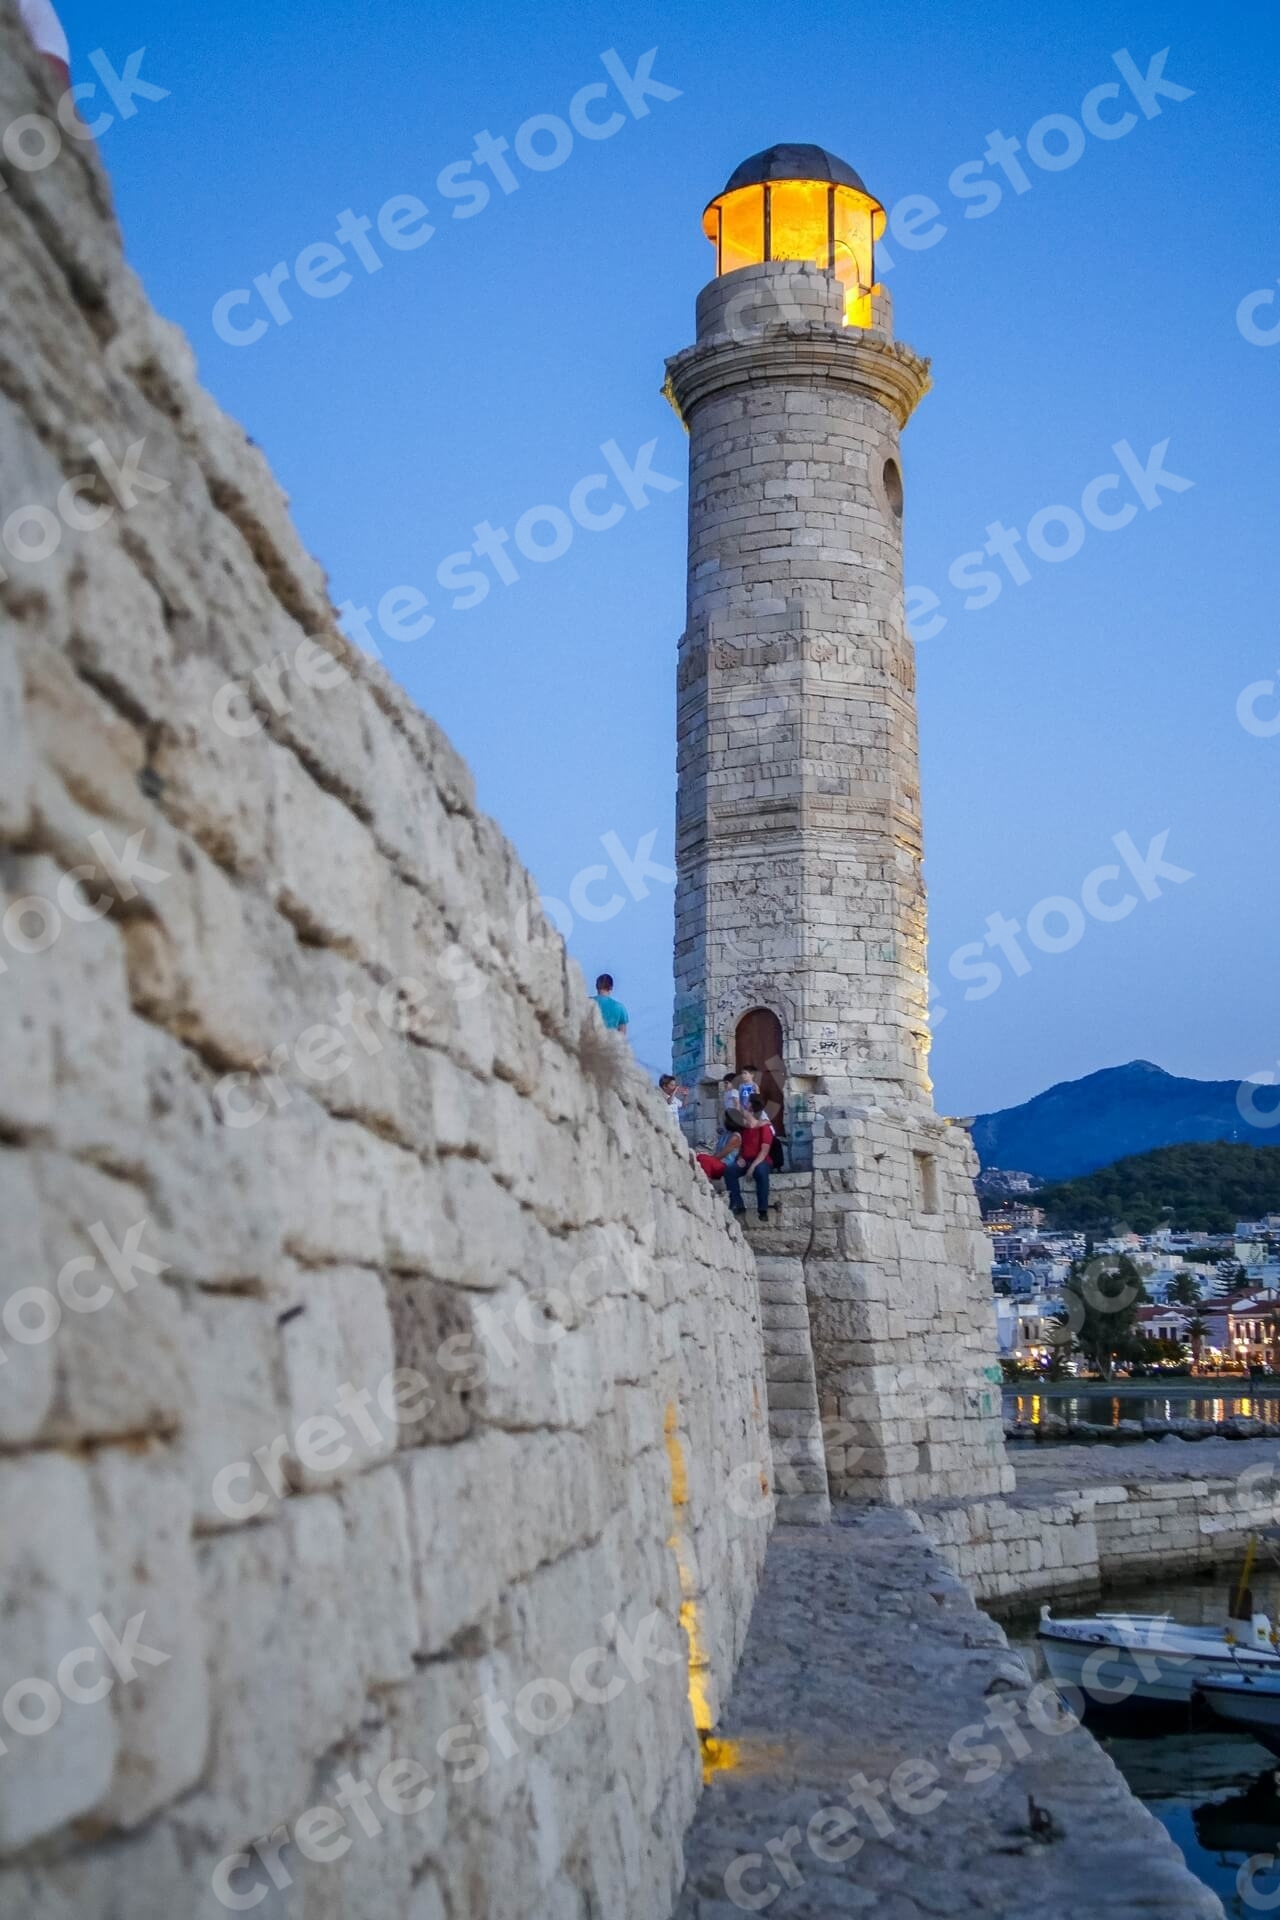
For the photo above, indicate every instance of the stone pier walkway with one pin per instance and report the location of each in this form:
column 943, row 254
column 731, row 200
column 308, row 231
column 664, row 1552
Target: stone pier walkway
column 868, row 1663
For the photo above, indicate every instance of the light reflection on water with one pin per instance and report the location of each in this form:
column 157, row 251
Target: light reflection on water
column 1216, row 1794
column 1139, row 1403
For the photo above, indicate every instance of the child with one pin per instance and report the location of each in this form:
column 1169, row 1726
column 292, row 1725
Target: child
column 670, row 1089
column 748, row 1087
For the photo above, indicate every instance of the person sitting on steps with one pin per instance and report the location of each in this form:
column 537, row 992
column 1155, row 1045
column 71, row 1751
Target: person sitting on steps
column 757, row 1138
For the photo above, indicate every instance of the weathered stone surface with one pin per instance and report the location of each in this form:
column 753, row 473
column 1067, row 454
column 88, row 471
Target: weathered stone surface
column 853, row 1785
column 162, row 1714
column 1083, row 1516
column 51, row 1585
column 323, row 1057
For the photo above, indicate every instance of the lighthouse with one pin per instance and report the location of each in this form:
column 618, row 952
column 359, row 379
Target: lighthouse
column 800, row 905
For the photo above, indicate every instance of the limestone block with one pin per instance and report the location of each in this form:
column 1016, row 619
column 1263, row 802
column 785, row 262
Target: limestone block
column 218, row 778
column 409, row 815
column 118, row 630
column 75, row 1049
column 380, row 1570
column 539, row 1371
column 51, row 1587
column 419, row 1233
column 27, row 1376
column 217, row 1188
column 232, row 1347
column 35, row 590
column 82, row 740
column 144, row 1516
column 331, row 1177
column 100, row 1048
column 147, row 1876
column 426, row 1902
column 340, row 1053
column 371, row 1876
column 27, row 1019
column 338, row 1347
column 445, row 993
column 119, row 1359
column 17, row 761
column 456, row 1590
column 462, row 1108
column 434, row 1334
column 203, row 964
column 325, row 862
column 492, row 1229
column 281, row 1659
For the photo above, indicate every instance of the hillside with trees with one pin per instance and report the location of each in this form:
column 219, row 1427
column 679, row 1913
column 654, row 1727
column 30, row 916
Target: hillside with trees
column 1199, row 1187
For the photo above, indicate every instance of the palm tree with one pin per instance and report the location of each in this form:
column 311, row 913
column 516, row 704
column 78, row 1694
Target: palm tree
column 1196, row 1331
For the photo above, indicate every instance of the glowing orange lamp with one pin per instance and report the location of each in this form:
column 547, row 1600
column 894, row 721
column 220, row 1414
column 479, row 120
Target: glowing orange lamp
column 800, row 203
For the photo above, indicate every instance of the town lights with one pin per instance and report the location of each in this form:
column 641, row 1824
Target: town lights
column 800, row 203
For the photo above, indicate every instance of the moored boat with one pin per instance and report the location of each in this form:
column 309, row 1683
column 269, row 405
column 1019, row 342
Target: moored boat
column 1152, row 1660
column 1248, row 1701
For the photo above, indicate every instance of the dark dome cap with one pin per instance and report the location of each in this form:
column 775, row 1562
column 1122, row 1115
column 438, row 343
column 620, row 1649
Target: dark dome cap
column 795, row 163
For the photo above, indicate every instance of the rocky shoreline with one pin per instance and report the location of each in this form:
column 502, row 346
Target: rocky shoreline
column 1054, row 1428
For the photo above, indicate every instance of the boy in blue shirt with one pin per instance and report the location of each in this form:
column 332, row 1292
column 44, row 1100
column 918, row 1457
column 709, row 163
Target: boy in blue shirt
column 612, row 1011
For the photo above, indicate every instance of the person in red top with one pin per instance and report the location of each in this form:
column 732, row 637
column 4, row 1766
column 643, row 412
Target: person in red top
column 757, row 1138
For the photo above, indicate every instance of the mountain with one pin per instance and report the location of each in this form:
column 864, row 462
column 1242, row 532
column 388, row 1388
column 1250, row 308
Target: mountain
column 1082, row 1124
column 1204, row 1187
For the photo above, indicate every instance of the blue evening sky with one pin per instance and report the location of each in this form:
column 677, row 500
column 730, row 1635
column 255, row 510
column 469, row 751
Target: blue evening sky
column 478, row 375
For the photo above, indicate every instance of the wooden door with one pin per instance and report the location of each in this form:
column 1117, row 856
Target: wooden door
column 758, row 1043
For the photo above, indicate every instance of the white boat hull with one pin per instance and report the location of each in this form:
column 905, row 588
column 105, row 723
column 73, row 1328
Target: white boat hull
column 1251, row 1704
column 1122, row 1660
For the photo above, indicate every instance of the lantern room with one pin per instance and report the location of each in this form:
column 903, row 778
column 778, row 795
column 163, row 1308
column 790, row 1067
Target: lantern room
column 800, row 203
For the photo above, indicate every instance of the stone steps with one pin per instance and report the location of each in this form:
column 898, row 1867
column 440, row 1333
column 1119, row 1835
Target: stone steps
column 795, row 1426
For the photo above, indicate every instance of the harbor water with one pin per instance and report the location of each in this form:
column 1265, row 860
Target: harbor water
column 1144, row 1400
column 1216, row 1793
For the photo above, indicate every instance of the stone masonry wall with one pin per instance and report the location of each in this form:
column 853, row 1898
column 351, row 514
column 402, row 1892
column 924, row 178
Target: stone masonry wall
column 1053, row 1541
column 367, row 1330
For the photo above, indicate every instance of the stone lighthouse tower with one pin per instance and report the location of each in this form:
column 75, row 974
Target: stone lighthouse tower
column 800, row 911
